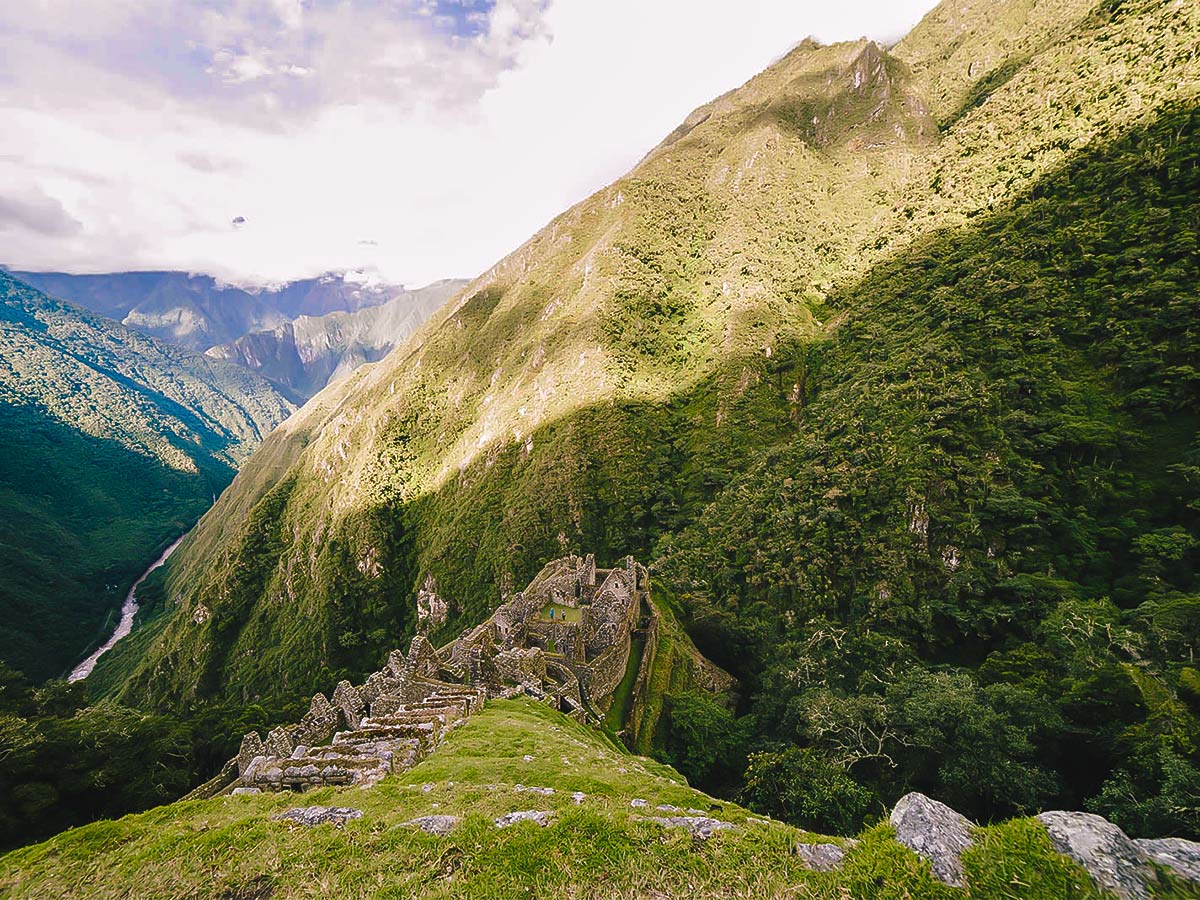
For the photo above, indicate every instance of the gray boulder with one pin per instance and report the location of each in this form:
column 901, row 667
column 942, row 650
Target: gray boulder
column 320, row 815
column 1102, row 849
column 820, row 857
column 440, row 825
column 1181, row 857
column 531, row 815
column 934, row 831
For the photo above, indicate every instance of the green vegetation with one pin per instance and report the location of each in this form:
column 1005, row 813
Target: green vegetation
column 114, row 445
column 64, row 763
column 599, row 847
column 901, row 404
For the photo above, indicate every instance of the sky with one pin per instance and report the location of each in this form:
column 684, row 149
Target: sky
column 262, row 141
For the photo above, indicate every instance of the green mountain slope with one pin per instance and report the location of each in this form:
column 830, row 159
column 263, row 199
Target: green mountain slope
column 304, row 355
column 887, row 358
column 601, row 842
column 113, row 445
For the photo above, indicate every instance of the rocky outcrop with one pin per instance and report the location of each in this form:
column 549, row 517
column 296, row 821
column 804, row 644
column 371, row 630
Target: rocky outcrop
column 820, row 857
column 1181, row 857
column 439, row 825
column 320, row 815
column 538, row 817
column 1103, row 850
column 934, row 831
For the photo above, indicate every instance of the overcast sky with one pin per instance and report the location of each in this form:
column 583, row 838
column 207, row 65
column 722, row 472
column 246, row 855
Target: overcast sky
column 266, row 140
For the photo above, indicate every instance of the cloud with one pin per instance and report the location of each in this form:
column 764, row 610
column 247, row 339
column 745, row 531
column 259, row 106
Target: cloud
column 38, row 213
column 447, row 130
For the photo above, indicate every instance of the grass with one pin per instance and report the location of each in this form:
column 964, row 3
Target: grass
column 622, row 698
column 600, row 847
column 554, row 612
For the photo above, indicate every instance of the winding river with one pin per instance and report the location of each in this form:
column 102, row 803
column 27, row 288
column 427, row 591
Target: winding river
column 128, row 610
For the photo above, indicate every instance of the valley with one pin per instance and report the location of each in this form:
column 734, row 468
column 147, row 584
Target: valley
column 813, row 510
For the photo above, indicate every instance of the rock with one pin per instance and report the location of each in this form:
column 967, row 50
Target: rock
column 936, row 832
column 700, row 827
column 578, row 797
column 525, row 789
column 251, row 749
column 320, row 815
column 820, row 857
column 540, row 817
column 638, row 803
column 667, row 807
column 1102, row 849
column 1180, row 856
column 433, row 824
column 242, row 791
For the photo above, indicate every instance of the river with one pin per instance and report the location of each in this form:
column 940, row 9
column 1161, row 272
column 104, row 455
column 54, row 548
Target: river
column 128, row 610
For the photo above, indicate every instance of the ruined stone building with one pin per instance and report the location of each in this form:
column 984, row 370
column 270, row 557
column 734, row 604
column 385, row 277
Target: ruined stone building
column 566, row 639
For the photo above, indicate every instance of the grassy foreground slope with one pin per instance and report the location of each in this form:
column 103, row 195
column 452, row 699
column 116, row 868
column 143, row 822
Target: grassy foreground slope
column 598, row 846
column 114, row 444
column 886, row 360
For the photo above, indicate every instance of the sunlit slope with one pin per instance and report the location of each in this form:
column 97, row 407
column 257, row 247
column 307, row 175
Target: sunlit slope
column 515, row 756
column 600, row 386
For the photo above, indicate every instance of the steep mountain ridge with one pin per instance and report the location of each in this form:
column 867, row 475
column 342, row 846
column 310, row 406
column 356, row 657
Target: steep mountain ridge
column 875, row 399
column 303, row 355
column 116, row 443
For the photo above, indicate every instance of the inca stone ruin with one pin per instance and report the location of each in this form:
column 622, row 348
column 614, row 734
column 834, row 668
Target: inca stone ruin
column 566, row 639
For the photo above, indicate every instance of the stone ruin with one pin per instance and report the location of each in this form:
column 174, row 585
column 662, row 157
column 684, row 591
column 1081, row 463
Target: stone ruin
column 565, row 640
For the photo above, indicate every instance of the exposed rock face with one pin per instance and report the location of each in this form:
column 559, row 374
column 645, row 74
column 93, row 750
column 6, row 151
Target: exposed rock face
column 935, row 831
column 320, row 815
column 821, row 857
column 431, row 609
column 700, row 827
column 1102, row 849
column 441, row 825
column 541, row 817
column 1180, row 856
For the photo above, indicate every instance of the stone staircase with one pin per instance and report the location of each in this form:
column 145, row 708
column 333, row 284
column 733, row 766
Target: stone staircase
column 394, row 735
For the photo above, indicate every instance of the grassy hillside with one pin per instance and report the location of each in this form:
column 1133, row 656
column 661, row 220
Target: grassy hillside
column 113, row 445
column 889, row 368
column 598, row 846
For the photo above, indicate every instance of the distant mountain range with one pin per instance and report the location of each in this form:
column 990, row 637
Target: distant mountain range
column 113, row 444
column 304, row 355
column 281, row 331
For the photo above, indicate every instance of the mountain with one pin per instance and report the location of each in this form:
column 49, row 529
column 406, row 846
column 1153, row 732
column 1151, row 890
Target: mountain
column 304, row 355
column 197, row 311
column 114, row 443
column 885, row 360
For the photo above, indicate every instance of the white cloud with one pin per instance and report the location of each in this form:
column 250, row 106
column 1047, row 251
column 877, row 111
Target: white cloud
column 411, row 137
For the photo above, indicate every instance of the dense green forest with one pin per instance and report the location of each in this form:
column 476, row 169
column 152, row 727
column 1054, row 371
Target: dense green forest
column 885, row 363
column 114, row 444
column 974, row 569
